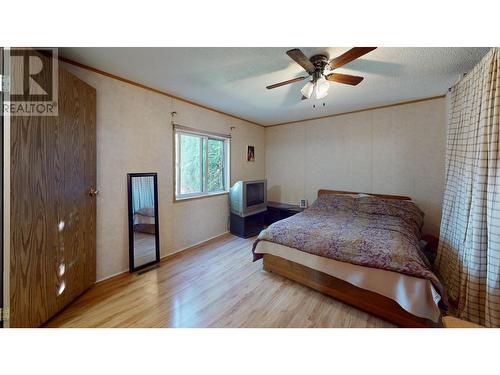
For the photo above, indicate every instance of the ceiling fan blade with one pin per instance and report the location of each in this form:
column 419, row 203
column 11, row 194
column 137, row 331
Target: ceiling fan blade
column 344, row 78
column 285, row 82
column 349, row 56
column 298, row 56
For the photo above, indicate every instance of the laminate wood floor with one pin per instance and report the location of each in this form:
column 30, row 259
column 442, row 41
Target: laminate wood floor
column 212, row 285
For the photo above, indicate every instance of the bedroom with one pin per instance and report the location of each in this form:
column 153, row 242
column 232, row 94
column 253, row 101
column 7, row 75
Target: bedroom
column 294, row 185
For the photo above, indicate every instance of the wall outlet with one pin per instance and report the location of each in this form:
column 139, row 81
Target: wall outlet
column 303, row 203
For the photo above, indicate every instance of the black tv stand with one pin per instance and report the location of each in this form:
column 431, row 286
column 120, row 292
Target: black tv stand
column 277, row 211
column 247, row 226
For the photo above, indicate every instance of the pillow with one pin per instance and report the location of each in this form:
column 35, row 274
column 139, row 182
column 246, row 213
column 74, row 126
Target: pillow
column 333, row 202
column 406, row 210
column 361, row 195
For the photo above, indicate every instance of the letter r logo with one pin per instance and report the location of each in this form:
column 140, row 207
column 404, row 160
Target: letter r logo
column 31, row 75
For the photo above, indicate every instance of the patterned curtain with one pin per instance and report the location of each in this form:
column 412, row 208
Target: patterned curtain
column 469, row 249
column 142, row 192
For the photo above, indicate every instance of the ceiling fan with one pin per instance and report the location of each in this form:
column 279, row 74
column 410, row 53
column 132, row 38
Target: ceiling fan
column 319, row 69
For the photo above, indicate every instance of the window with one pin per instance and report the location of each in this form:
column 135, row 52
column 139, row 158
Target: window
column 201, row 164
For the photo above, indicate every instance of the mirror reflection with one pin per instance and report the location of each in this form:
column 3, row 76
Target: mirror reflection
column 144, row 220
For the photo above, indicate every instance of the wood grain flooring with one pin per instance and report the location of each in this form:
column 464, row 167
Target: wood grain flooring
column 212, row 285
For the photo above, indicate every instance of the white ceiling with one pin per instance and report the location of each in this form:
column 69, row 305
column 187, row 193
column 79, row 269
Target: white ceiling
column 234, row 80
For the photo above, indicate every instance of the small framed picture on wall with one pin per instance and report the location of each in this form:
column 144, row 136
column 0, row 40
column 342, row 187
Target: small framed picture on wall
column 251, row 153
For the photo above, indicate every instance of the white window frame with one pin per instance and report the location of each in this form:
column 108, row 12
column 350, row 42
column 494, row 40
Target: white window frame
column 205, row 136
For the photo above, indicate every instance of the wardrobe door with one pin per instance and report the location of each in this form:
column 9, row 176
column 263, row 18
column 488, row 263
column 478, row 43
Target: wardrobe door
column 53, row 169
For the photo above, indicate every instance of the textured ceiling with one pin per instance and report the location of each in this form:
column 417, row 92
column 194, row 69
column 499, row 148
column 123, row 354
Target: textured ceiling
column 234, row 80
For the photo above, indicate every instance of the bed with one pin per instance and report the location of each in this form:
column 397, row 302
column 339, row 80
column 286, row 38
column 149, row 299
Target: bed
column 362, row 249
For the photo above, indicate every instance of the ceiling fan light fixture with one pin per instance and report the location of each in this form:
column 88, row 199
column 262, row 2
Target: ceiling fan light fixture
column 321, row 88
column 307, row 90
column 320, row 71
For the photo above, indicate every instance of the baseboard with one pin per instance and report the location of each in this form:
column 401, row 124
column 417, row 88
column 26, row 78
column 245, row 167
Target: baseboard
column 198, row 244
column 111, row 276
column 168, row 256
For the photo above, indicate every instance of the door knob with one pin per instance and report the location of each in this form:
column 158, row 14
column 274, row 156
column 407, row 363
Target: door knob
column 93, row 192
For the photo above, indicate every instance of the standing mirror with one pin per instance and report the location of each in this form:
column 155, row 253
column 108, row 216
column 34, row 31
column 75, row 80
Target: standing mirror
column 144, row 241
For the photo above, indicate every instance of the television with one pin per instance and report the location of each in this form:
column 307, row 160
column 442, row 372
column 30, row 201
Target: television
column 248, row 197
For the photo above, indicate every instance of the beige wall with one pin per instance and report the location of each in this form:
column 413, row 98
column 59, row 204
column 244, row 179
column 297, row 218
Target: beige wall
column 394, row 150
column 134, row 134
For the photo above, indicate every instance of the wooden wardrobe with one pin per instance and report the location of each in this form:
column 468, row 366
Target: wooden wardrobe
column 53, row 208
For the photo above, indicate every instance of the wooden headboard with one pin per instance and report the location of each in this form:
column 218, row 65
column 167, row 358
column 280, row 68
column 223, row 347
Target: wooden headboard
column 385, row 196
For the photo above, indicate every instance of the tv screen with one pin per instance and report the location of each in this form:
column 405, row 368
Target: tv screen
column 255, row 194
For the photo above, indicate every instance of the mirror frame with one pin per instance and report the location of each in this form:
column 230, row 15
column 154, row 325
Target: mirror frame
column 131, row 221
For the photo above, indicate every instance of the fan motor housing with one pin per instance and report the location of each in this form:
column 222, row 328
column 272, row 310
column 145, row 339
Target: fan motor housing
column 319, row 61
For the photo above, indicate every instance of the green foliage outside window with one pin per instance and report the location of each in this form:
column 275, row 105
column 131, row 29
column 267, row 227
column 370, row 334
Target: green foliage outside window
column 215, row 181
column 193, row 150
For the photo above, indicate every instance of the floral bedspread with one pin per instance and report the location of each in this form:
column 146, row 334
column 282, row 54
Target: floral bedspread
column 367, row 231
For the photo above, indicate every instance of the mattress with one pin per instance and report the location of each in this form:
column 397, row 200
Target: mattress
column 413, row 294
column 143, row 219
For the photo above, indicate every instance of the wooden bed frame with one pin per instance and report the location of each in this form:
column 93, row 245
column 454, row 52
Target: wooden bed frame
column 365, row 300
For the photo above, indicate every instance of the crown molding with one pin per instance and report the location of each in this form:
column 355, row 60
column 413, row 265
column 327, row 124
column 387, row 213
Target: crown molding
column 164, row 93
column 360, row 110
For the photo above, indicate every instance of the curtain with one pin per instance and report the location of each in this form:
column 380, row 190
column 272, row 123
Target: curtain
column 142, row 193
column 468, row 259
